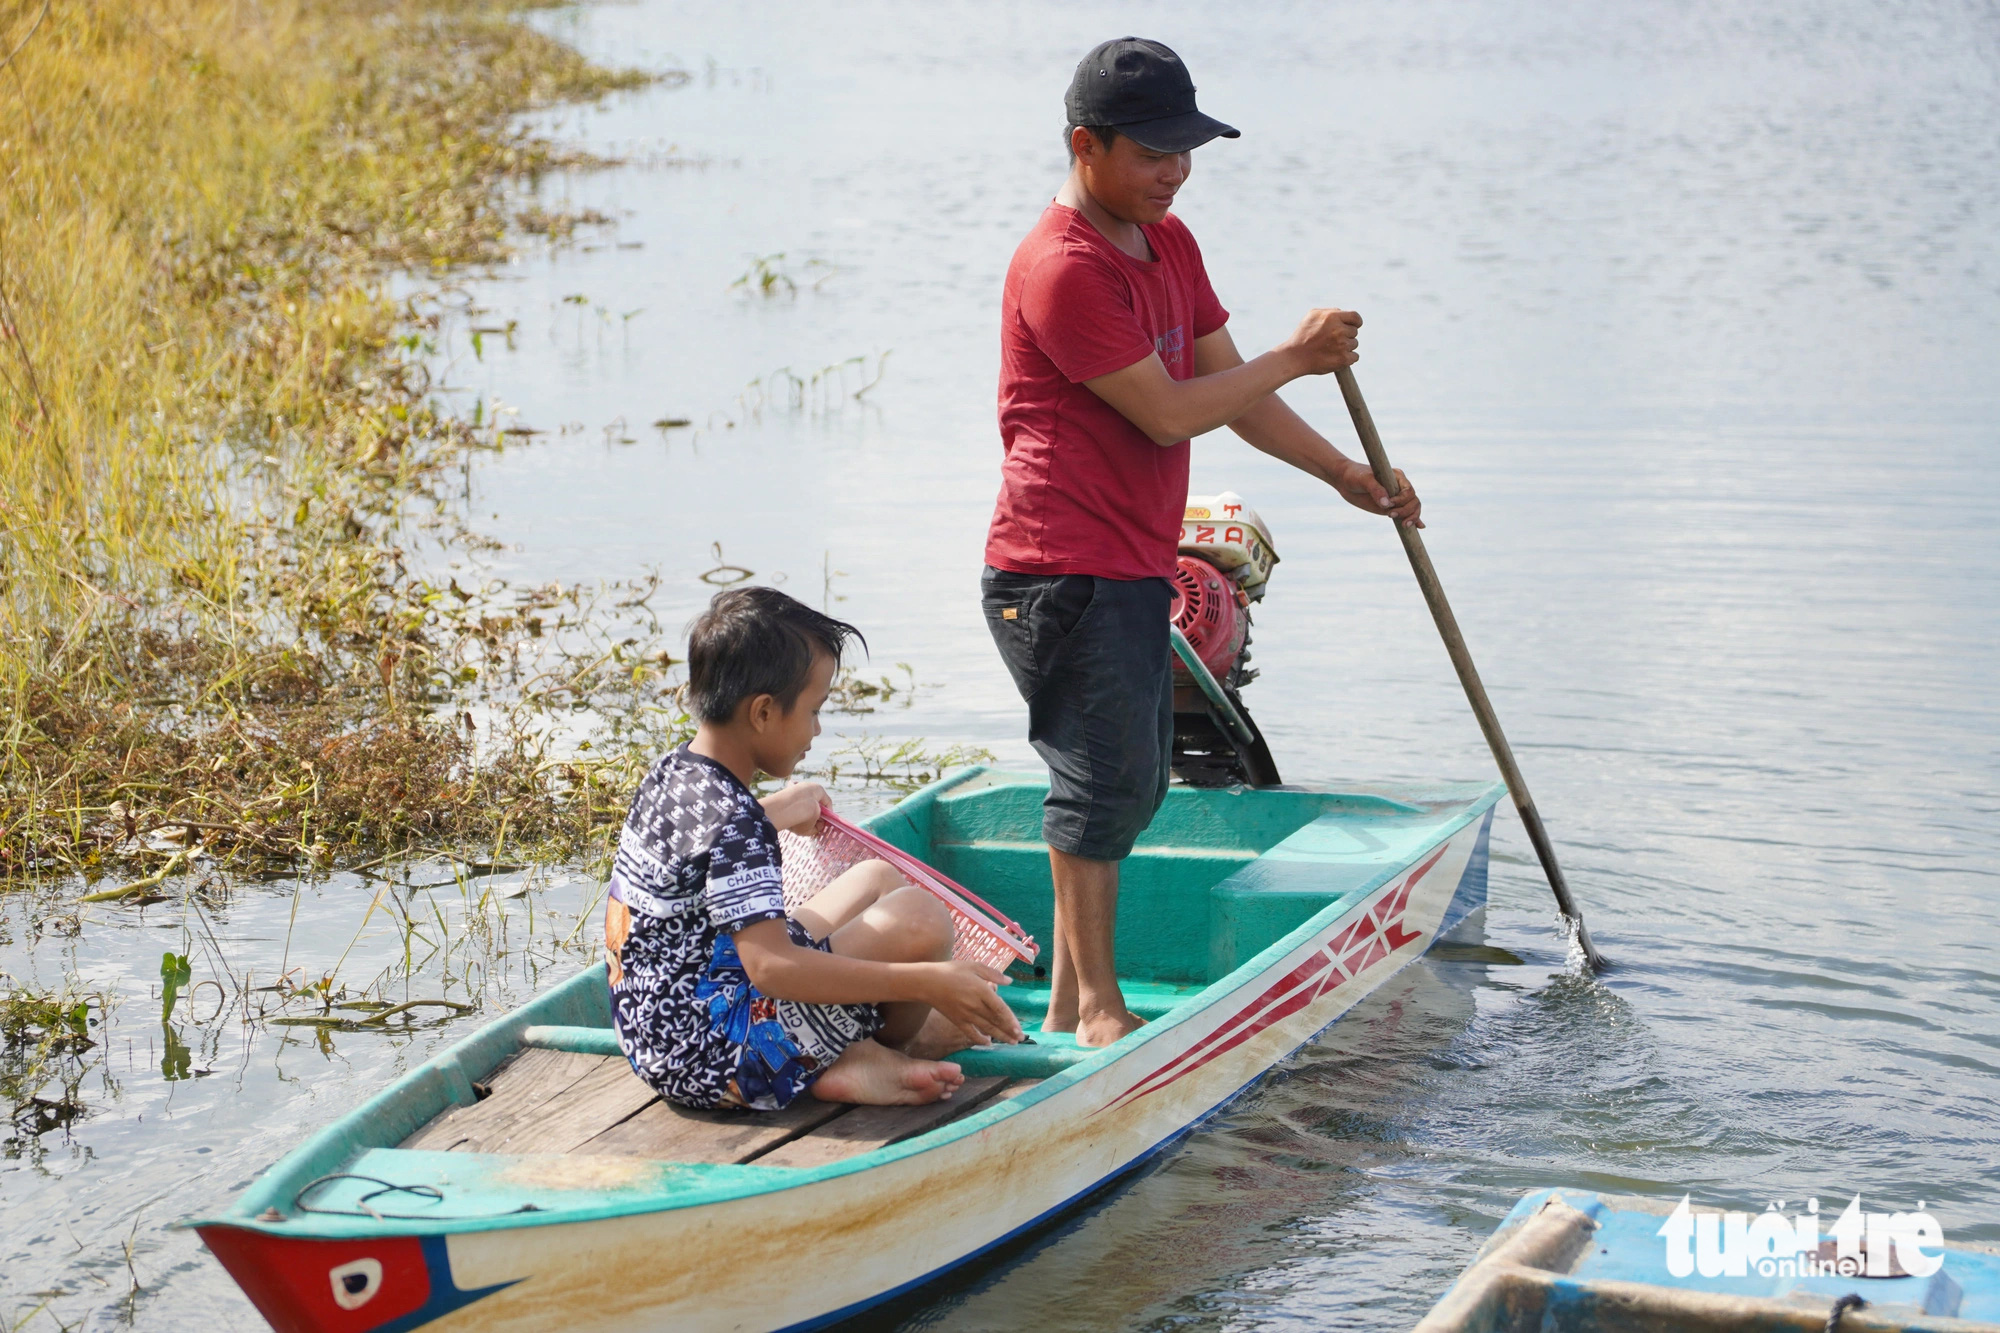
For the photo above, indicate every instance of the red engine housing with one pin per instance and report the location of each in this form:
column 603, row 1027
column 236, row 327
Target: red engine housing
column 1209, row 609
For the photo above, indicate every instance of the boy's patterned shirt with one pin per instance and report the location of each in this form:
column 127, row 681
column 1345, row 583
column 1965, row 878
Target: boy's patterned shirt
column 697, row 859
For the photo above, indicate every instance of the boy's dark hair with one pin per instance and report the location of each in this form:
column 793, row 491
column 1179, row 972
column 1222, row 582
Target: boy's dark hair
column 754, row 641
column 1106, row 135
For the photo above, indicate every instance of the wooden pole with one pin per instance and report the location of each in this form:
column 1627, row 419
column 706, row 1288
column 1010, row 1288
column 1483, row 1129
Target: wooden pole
column 1468, row 674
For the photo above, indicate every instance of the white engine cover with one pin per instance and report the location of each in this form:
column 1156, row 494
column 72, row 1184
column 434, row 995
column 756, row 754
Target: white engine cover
column 1227, row 533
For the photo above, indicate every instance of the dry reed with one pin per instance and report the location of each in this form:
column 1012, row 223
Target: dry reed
column 218, row 450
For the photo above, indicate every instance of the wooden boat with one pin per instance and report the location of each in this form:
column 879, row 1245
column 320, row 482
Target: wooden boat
column 526, row 1179
column 1595, row 1263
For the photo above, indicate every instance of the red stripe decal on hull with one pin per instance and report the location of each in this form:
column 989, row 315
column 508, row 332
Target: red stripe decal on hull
column 1208, row 1048
column 1380, row 929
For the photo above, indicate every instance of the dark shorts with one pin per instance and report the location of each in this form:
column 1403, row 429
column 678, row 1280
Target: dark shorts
column 779, row 1047
column 1090, row 655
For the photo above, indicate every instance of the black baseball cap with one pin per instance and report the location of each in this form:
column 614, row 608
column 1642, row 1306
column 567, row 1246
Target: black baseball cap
column 1142, row 90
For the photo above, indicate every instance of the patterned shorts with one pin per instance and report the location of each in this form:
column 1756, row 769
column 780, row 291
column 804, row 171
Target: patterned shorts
column 782, row 1045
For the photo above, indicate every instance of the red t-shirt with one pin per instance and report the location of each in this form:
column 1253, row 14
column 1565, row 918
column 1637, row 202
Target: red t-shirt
column 1083, row 490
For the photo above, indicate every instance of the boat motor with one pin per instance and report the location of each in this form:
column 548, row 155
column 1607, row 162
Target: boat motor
column 1226, row 558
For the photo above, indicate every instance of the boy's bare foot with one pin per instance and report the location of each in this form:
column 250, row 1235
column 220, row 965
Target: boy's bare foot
column 870, row 1074
column 1103, row 1029
column 939, row 1037
column 1059, row 1021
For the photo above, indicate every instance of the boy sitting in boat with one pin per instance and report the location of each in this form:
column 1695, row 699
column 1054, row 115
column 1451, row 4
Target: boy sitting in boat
column 722, row 998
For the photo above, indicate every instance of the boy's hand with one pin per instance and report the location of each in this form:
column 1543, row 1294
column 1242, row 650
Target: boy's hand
column 964, row 993
column 796, row 808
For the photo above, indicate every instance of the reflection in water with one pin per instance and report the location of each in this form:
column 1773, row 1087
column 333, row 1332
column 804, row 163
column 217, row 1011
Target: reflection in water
column 1681, row 315
column 176, row 1060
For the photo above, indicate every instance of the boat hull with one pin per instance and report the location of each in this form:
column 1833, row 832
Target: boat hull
column 849, row 1238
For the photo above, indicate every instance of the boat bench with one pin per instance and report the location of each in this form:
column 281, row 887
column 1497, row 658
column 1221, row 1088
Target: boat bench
column 1044, row 1056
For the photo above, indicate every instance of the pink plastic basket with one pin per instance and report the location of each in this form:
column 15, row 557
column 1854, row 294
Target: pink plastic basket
column 980, row 933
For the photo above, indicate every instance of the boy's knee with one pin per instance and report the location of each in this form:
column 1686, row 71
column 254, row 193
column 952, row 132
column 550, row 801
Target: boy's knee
column 884, row 878
column 922, row 922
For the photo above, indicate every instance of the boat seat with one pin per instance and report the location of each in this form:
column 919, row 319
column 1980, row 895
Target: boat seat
column 581, row 1041
column 1044, row 1055
column 1048, row 1054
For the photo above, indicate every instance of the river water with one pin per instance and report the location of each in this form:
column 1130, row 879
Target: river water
column 1682, row 317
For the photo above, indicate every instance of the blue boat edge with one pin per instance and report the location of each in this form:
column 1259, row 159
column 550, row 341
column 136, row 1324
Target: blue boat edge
column 1582, row 1261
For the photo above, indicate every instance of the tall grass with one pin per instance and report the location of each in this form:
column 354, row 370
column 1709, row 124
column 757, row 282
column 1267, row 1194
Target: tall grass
column 216, row 428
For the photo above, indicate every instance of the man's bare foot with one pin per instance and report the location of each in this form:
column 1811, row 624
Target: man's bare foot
column 870, row 1074
column 1059, row 1022
column 1103, row 1029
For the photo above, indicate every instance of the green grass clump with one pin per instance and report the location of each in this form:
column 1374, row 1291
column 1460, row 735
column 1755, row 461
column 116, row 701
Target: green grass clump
column 220, row 449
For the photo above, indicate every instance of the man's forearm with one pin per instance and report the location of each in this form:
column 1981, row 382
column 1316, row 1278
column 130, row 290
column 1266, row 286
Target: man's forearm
column 1209, row 402
column 1272, row 427
column 1171, row 410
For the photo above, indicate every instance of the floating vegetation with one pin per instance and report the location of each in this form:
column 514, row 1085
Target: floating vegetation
column 725, row 575
column 45, row 1040
column 39, row 1017
column 825, row 390
column 852, row 692
column 769, row 275
column 906, row 764
column 384, row 1012
column 560, row 223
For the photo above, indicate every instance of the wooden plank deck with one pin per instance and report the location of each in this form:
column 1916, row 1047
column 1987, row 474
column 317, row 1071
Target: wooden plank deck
column 675, row 1134
column 559, row 1102
column 530, row 1080
column 865, row 1128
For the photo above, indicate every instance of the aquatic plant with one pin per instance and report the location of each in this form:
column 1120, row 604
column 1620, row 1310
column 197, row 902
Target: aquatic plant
column 824, row 391
column 906, row 764
column 45, row 1038
column 851, row 692
column 770, row 275
column 176, row 970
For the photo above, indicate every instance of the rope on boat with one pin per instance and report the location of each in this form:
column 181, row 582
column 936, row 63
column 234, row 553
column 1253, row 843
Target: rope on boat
column 362, row 1209
column 1840, row 1307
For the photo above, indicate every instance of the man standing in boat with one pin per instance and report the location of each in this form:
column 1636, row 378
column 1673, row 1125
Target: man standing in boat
column 1114, row 353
